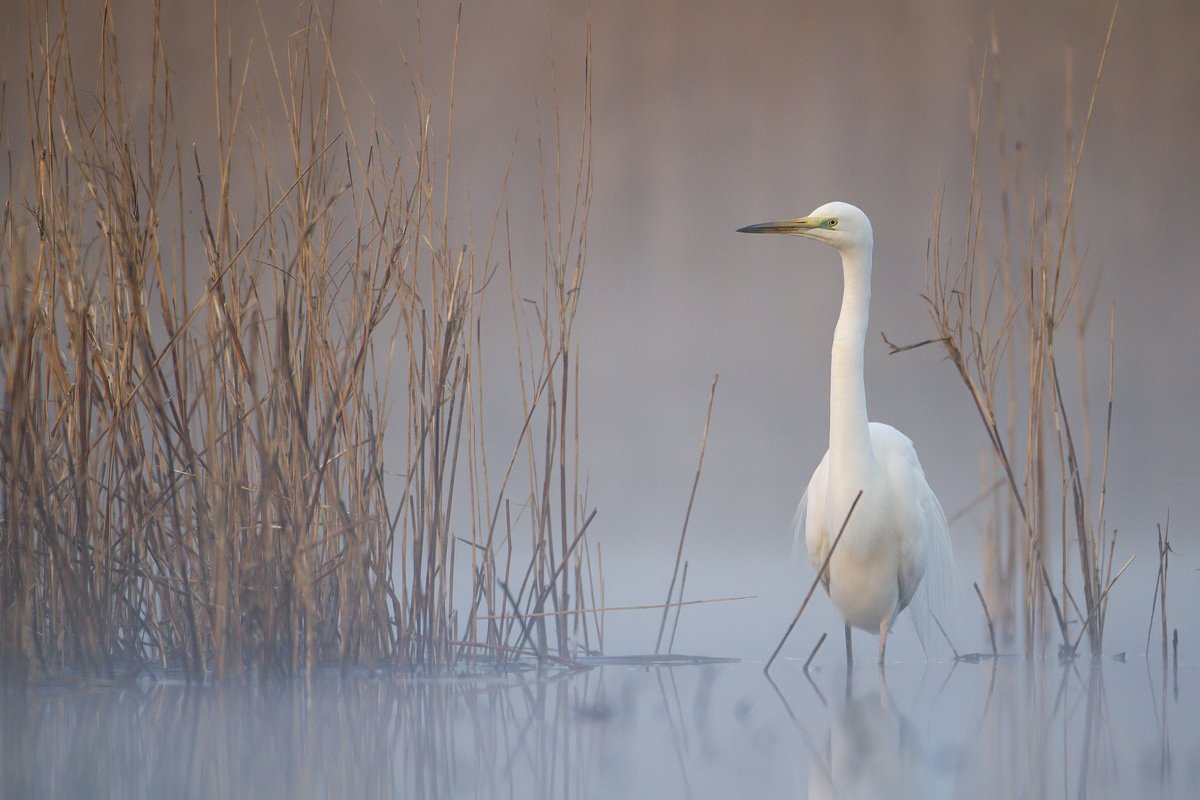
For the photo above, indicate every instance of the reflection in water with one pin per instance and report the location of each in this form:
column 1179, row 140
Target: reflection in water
column 872, row 751
column 716, row 730
column 491, row 736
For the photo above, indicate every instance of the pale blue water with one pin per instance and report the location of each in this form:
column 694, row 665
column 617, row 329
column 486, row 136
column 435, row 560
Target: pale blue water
column 721, row 730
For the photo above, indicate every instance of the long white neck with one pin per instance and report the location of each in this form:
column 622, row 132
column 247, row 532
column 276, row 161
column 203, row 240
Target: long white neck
column 851, row 457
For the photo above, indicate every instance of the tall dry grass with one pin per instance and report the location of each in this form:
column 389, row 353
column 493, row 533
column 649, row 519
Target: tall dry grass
column 203, row 347
column 1012, row 309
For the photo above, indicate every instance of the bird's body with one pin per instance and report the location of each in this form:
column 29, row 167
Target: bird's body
column 880, row 561
column 897, row 528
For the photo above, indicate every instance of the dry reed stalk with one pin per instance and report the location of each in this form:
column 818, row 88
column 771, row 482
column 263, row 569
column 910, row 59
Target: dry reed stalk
column 712, row 394
column 1165, row 549
column 678, row 609
column 988, row 616
column 820, row 576
column 643, row 607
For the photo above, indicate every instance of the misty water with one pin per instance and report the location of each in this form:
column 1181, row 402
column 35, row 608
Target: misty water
column 697, row 134
column 1112, row 728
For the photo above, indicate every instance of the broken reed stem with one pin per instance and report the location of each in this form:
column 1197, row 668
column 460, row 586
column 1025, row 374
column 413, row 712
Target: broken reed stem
column 816, row 579
column 1159, row 595
column 813, row 654
column 1099, row 604
column 988, row 616
column 687, row 515
column 946, row 636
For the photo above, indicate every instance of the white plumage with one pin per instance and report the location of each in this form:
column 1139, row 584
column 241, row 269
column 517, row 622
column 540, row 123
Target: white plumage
column 897, row 533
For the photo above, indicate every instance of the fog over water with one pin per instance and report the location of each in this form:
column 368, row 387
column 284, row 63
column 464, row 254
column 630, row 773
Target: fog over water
column 708, row 116
column 1108, row 730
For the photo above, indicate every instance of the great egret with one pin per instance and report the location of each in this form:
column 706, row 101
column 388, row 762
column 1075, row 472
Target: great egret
column 897, row 528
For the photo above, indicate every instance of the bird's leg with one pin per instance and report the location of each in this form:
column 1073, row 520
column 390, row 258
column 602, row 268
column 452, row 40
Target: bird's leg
column 885, row 697
column 849, row 652
column 883, row 632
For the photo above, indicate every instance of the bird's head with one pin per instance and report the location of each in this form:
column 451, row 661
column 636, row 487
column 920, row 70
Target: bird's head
column 840, row 225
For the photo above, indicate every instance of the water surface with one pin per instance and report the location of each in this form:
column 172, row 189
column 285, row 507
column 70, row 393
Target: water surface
column 628, row 730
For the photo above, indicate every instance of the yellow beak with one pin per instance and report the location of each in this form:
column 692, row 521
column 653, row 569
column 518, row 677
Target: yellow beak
column 792, row 226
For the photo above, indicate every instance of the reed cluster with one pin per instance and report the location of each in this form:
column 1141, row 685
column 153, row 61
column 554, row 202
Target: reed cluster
column 1008, row 309
column 203, row 347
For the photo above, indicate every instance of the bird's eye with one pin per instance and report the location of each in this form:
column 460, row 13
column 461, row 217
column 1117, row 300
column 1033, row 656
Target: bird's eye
column 833, row 223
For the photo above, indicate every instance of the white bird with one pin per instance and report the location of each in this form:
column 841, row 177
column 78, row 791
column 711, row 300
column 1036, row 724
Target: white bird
column 897, row 529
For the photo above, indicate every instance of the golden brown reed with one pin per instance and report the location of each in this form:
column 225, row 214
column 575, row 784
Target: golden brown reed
column 192, row 434
column 1001, row 317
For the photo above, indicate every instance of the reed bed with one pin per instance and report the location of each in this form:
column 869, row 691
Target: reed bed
column 1007, row 309
column 203, row 347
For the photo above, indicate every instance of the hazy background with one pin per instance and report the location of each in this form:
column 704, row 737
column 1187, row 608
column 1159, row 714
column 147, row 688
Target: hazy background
column 708, row 116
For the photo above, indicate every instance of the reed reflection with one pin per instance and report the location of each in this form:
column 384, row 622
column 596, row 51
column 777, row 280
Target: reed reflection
column 619, row 730
column 496, row 736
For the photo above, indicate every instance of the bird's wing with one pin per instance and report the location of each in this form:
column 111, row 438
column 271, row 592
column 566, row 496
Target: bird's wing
column 927, row 574
column 810, row 528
